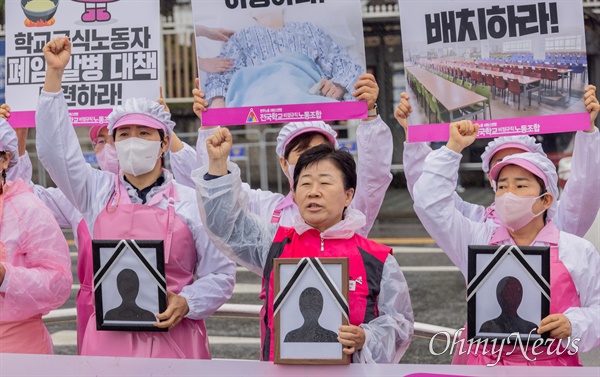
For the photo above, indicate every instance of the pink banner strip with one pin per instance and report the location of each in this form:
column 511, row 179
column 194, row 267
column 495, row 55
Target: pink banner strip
column 433, row 375
column 285, row 113
column 547, row 124
column 79, row 118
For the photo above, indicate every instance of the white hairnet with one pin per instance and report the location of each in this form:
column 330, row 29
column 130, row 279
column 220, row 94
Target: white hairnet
column 9, row 142
column 291, row 130
column 524, row 142
column 143, row 112
column 539, row 166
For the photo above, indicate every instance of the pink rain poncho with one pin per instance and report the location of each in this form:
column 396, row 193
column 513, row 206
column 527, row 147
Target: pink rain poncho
column 38, row 276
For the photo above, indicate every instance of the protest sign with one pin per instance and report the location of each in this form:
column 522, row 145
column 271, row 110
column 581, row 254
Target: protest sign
column 515, row 66
column 114, row 56
column 276, row 61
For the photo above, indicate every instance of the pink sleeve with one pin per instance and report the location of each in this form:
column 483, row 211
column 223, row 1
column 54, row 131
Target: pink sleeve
column 38, row 266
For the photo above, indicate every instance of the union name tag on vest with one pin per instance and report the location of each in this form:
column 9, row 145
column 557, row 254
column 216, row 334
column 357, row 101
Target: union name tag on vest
column 352, row 283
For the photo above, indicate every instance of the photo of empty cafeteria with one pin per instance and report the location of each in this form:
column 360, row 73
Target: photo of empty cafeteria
column 499, row 79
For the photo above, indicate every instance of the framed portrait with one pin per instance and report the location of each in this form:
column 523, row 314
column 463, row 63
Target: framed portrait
column 130, row 287
column 508, row 291
column 311, row 303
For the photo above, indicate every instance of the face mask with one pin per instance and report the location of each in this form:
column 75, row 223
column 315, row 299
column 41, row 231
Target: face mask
column 137, row 156
column 291, row 174
column 107, row 159
column 515, row 211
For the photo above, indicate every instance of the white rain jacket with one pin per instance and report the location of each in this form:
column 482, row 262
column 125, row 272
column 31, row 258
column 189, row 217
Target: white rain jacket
column 454, row 232
column 246, row 238
column 375, row 147
column 578, row 205
column 65, row 213
column 89, row 190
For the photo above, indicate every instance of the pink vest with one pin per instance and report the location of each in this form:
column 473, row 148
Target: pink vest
column 29, row 335
column 563, row 295
column 123, row 220
column 365, row 261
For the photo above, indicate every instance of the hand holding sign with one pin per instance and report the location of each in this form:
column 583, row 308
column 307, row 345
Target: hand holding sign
column 162, row 101
column 558, row 325
column 591, row 105
column 367, row 89
column 403, row 111
column 462, row 134
column 352, row 338
column 200, row 104
column 175, row 312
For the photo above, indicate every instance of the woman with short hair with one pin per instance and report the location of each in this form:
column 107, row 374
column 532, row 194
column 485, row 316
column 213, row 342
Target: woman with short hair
column 324, row 182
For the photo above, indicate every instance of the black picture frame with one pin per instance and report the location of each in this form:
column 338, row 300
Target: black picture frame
column 478, row 274
column 114, row 254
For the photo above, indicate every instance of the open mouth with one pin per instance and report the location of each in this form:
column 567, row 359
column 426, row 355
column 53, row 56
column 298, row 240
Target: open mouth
column 314, row 207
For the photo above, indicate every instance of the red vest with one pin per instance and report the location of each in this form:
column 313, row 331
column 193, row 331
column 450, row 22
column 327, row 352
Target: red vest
column 365, row 266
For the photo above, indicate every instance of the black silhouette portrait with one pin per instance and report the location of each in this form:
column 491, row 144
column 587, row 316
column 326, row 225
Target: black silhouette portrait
column 128, row 285
column 509, row 293
column 311, row 306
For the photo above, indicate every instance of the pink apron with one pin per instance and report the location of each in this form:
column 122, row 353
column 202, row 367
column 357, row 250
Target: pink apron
column 288, row 201
column 563, row 296
column 85, row 273
column 26, row 336
column 125, row 220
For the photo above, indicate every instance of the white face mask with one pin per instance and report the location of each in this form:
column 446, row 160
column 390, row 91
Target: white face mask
column 137, row 156
column 514, row 211
column 290, row 174
column 107, row 159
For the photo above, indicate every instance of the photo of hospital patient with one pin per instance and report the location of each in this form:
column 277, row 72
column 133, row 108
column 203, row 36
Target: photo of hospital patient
column 246, row 56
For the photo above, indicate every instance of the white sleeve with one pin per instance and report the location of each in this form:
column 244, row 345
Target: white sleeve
column 580, row 201
column 259, row 202
column 584, row 264
column 436, row 208
column 388, row 336
column 474, row 212
column 242, row 236
column 215, row 273
column 22, row 170
column 413, row 159
column 201, row 153
column 59, row 151
column 183, row 162
column 375, row 146
column 262, row 203
column 63, row 210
